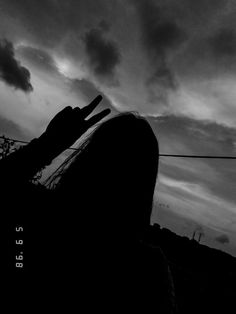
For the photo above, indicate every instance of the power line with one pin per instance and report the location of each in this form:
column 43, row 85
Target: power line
column 198, row 156
column 161, row 155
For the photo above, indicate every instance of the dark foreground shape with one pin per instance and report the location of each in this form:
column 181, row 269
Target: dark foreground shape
column 84, row 238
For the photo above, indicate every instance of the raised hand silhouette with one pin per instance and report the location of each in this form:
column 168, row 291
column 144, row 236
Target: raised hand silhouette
column 63, row 130
column 70, row 124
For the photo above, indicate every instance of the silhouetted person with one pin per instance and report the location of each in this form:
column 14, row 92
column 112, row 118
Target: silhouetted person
column 88, row 229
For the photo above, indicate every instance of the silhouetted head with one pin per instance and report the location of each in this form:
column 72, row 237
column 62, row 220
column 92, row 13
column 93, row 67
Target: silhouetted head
column 112, row 177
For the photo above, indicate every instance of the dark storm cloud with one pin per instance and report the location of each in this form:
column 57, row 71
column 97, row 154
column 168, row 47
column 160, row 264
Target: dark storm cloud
column 164, row 26
column 11, row 71
column 223, row 43
column 182, row 135
column 196, row 12
column 77, row 30
column 223, row 239
column 210, row 48
column 45, row 20
column 103, row 54
column 48, row 22
column 161, row 35
column 42, row 19
column 104, row 25
column 181, row 36
column 163, row 76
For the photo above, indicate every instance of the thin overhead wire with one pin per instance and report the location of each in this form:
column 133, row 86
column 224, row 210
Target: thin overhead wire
column 161, row 155
column 198, row 156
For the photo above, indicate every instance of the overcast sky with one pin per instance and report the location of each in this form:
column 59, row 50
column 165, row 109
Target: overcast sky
column 172, row 61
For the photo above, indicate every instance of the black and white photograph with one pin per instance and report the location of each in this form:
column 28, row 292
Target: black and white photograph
column 118, row 156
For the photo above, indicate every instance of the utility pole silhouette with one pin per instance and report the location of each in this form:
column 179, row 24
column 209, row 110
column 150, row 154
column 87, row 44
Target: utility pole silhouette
column 200, row 236
column 200, row 232
column 193, row 236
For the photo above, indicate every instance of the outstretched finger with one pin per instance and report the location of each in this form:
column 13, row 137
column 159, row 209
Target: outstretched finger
column 88, row 109
column 95, row 119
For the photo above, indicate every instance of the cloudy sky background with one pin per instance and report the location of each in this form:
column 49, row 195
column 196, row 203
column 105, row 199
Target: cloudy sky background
column 172, row 61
